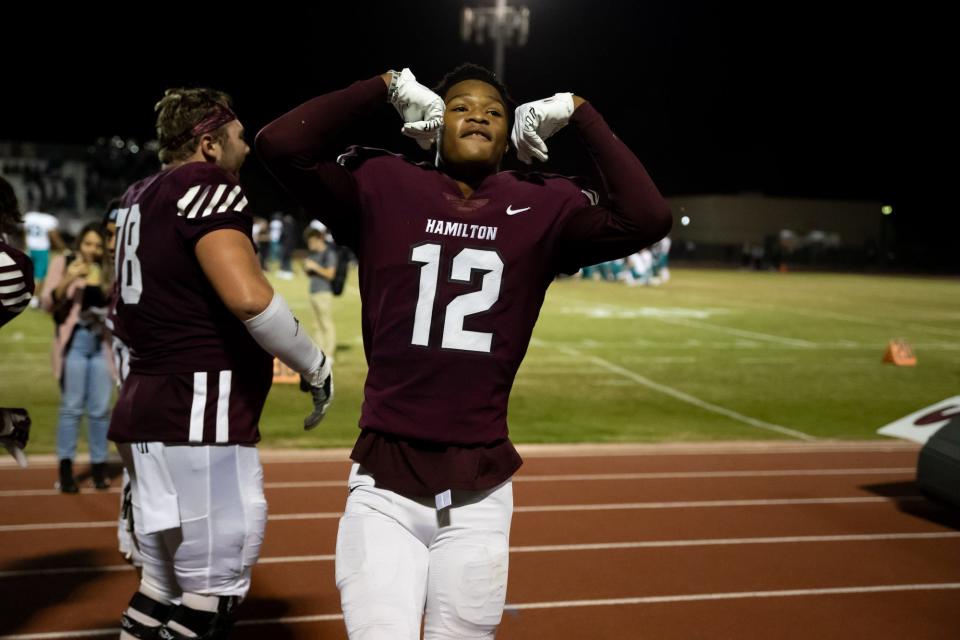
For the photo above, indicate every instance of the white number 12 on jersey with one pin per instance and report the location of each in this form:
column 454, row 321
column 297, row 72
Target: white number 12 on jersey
column 465, row 262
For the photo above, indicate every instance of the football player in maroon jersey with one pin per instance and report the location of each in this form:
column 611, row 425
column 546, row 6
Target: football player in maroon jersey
column 16, row 269
column 16, row 288
column 203, row 325
column 455, row 259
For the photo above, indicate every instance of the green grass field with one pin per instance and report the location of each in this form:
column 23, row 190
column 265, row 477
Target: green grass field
column 711, row 355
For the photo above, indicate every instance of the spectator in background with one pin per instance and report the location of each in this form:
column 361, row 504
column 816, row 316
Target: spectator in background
column 637, row 270
column 42, row 233
column 344, row 257
column 745, row 254
column 76, row 293
column 276, row 231
column 587, row 272
column 757, row 256
column 660, row 252
column 609, row 270
column 256, row 229
column 288, row 242
column 261, row 236
column 321, row 266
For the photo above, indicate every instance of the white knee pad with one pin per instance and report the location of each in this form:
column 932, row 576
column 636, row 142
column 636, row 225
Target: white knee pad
column 468, row 589
column 157, row 579
column 469, row 563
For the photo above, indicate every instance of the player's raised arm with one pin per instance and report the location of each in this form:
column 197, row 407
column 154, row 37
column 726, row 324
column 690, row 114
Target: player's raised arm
column 305, row 135
column 300, row 147
column 636, row 215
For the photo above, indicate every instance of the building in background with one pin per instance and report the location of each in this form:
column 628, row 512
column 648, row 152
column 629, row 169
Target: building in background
column 772, row 232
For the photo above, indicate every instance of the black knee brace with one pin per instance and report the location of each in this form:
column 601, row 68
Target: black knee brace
column 208, row 625
column 148, row 607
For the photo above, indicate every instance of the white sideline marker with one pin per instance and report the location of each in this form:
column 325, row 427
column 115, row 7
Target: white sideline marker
column 920, row 425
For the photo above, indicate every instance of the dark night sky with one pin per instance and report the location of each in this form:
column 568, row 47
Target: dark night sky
column 792, row 99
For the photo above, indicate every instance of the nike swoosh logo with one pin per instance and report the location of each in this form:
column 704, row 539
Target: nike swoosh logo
column 512, row 212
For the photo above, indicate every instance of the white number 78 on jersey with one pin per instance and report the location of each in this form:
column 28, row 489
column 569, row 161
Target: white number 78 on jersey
column 127, row 264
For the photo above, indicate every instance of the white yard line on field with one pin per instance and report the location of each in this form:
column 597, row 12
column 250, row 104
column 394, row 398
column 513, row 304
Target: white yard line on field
column 686, row 397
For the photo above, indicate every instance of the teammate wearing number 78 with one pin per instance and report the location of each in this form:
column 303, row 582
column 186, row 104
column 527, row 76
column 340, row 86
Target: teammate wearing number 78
column 202, row 325
column 455, row 259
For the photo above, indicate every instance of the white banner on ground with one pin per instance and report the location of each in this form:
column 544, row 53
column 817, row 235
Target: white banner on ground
column 920, row 425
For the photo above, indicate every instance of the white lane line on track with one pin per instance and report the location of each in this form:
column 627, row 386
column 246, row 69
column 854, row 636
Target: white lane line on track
column 727, row 448
column 557, row 548
column 681, row 475
column 572, row 450
column 784, row 593
column 561, row 477
column 697, row 504
column 514, row 608
column 617, row 506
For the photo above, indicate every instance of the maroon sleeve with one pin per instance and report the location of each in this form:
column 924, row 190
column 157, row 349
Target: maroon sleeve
column 636, row 215
column 299, row 148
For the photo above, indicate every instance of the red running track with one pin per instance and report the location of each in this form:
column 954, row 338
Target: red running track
column 737, row 540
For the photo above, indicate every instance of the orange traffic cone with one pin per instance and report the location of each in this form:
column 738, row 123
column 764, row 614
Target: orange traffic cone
column 900, row 353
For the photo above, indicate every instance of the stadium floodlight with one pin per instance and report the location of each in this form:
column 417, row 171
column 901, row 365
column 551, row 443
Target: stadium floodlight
column 685, row 220
column 502, row 24
column 886, row 210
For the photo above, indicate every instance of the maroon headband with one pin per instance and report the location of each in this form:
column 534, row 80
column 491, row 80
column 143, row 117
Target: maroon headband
column 220, row 116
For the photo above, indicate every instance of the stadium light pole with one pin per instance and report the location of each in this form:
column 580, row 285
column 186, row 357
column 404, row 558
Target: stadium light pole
column 502, row 24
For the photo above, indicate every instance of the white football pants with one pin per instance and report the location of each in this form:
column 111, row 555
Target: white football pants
column 199, row 515
column 400, row 561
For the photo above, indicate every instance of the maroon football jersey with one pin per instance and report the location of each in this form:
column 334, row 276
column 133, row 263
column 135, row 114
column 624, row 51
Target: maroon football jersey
column 451, row 291
column 172, row 319
column 16, row 282
column 451, row 287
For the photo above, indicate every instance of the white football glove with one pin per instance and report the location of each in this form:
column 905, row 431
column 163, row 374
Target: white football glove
column 421, row 109
column 534, row 122
column 320, row 385
column 279, row 333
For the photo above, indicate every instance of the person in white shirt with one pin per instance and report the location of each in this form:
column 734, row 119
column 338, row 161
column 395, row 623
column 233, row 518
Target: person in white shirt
column 42, row 232
column 276, row 231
